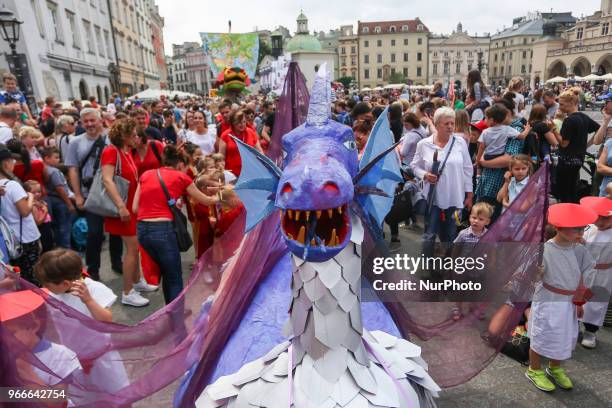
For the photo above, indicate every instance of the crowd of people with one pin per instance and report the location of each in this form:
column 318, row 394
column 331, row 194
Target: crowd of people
column 465, row 156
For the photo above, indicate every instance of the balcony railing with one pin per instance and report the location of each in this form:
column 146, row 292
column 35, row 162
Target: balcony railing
column 580, row 49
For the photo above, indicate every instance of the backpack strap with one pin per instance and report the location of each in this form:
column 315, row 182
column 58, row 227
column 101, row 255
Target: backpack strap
column 153, row 146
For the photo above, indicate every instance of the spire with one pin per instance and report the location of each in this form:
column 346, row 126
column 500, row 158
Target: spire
column 320, row 99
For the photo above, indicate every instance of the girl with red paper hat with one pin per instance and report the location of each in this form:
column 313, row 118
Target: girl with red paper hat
column 558, row 298
column 598, row 237
column 23, row 315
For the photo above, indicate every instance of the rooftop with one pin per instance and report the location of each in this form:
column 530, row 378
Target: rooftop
column 391, row 27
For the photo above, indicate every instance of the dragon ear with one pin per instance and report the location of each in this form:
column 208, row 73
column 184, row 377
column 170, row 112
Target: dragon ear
column 379, row 171
column 257, row 184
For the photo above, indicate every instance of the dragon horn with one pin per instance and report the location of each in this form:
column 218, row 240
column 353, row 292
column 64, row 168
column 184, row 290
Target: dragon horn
column 320, row 99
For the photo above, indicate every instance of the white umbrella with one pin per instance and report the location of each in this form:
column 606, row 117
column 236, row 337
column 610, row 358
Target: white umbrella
column 591, row 77
column 378, row 88
column 395, row 86
column 157, row 93
column 556, row 80
column 607, row 77
column 366, row 89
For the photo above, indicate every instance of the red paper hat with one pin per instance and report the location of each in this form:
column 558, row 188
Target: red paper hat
column 601, row 205
column 566, row 215
column 17, row 304
column 481, row 125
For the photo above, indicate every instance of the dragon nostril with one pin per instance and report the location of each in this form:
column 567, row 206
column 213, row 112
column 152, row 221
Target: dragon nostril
column 331, row 187
column 287, row 188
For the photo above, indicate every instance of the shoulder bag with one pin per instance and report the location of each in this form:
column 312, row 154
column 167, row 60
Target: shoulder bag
column 183, row 239
column 98, row 202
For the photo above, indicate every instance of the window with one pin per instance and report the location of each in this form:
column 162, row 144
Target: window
column 76, row 41
column 419, row 56
column 531, row 54
column 495, row 57
column 365, row 30
column 353, row 49
column 352, row 60
column 89, row 35
column 523, row 69
column 34, row 5
column 344, row 61
column 392, row 71
column 342, row 50
column 445, row 54
column 393, row 43
column 458, row 54
column 458, row 69
column 420, row 27
column 366, row 59
column 501, row 70
column 366, row 44
column 404, row 28
column 405, row 41
column 435, row 54
column 59, row 35
column 377, row 29
column 435, row 69
column 579, row 33
column 392, row 57
column 524, row 54
column 366, row 74
column 503, row 56
column 524, row 41
column 108, row 45
column 446, row 68
column 419, row 71
column 405, row 57
column 379, row 43
column 494, row 70
column 379, row 73
column 605, row 28
column 379, row 58
column 470, row 55
column 469, row 67
column 100, row 41
column 503, row 43
column 392, row 29
column 529, row 67
column 405, row 72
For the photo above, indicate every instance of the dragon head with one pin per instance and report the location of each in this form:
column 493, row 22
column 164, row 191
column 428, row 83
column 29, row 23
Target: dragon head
column 233, row 79
column 320, row 177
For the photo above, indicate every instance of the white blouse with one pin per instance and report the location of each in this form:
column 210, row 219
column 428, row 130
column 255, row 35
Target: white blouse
column 456, row 179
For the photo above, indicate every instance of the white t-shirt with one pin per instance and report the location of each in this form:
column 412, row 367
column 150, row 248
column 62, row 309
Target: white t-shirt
column 111, row 108
column 518, row 99
column 6, row 133
column 8, row 210
column 205, row 141
column 496, row 137
column 101, row 293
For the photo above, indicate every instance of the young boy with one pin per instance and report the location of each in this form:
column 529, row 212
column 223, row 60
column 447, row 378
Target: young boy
column 220, row 165
column 492, row 141
column 598, row 238
column 558, row 298
column 480, row 218
column 61, row 207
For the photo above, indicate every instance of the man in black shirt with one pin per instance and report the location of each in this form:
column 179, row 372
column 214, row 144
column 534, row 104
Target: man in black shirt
column 140, row 116
column 573, row 141
column 170, row 130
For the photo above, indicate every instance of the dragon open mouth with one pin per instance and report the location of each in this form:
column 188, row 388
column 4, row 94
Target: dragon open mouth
column 318, row 228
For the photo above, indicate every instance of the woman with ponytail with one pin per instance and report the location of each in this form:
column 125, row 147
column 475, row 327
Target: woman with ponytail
column 155, row 228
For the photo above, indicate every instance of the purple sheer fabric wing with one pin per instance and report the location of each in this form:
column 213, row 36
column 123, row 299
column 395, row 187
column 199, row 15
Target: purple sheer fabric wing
column 457, row 351
column 291, row 110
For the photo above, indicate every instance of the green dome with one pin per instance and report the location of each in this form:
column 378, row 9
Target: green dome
column 303, row 42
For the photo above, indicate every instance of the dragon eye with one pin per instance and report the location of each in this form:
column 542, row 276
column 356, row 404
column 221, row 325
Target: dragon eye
column 284, row 154
column 350, row 144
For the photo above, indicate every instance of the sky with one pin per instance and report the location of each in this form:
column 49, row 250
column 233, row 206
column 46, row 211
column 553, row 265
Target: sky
column 185, row 19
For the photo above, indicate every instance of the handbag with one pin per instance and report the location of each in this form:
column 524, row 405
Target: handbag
column 98, row 202
column 183, row 238
column 423, row 206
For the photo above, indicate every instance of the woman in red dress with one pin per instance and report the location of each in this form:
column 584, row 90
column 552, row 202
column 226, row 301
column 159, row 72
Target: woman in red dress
column 228, row 146
column 147, row 154
column 123, row 138
column 25, row 168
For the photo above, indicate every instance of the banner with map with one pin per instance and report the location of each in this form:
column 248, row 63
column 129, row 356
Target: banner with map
column 231, row 50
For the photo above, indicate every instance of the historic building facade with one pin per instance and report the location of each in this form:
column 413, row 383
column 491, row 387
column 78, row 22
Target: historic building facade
column 348, row 53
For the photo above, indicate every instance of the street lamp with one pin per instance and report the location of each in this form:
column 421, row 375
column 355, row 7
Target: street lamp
column 18, row 64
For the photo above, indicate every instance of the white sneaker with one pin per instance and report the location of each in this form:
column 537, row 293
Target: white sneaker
column 143, row 286
column 134, row 299
column 589, row 340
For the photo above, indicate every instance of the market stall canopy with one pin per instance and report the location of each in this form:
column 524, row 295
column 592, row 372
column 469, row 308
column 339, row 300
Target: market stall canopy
column 607, row 77
column 366, row 89
column 378, row 88
column 157, row 93
column 591, row 77
column 556, row 80
column 395, row 86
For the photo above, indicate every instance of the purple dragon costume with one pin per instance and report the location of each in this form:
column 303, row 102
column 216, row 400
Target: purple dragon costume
column 329, row 359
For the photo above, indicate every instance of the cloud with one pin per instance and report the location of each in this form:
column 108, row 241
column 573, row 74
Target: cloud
column 185, row 19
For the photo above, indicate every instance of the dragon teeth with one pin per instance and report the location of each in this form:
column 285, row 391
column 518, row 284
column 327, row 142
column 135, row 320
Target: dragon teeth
column 301, row 235
column 290, row 212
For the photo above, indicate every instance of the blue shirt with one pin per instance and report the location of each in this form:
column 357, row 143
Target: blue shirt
column 6, row 97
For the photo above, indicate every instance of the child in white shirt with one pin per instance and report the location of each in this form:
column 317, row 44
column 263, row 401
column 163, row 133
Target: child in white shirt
column 492, row 141
column 515, row 180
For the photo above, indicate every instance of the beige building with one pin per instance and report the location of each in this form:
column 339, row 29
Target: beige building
column 392, row 47
column 511, row 51
column 452, row 57
column 138, row 69
column 348, row 53
column 583, row 49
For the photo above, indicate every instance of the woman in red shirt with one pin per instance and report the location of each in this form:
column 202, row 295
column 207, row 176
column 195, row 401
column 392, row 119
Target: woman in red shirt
column 228, row 146
column 155, row 228
column 147, row 154
column 123, row 138
column 26, row 169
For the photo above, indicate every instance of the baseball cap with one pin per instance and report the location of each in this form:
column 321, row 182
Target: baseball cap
column 480, row 125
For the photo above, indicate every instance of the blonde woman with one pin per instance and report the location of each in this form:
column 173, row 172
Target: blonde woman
column 516, row 85
column 31, row 137
column 462, row 125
